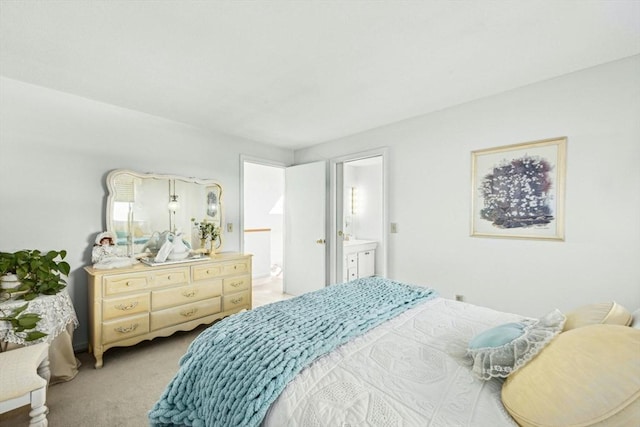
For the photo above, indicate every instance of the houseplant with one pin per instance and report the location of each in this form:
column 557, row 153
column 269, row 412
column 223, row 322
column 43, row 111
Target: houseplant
column 38, row 273
column 208, row 233
column 26, row 274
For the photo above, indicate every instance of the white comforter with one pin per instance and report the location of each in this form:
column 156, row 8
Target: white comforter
column 401, row 373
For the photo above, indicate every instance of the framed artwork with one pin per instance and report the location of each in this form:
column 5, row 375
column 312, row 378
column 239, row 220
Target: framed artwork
column 517, row 191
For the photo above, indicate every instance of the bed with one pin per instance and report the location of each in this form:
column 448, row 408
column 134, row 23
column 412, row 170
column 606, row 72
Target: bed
column 372, row 352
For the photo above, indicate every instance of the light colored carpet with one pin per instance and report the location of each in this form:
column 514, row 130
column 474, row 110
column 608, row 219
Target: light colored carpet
column 120, row 393
column 132, row 379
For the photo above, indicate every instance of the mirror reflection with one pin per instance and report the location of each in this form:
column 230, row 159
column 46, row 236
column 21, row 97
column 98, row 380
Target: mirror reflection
column 144, row 207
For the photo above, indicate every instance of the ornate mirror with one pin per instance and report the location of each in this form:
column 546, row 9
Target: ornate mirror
column 142, row 206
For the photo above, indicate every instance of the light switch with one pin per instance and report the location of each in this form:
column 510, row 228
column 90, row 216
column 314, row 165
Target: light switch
column 394, row 227
column 230, row 227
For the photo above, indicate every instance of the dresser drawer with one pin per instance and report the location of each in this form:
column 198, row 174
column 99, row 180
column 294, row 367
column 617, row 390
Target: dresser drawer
column 125, row 306
column 240, row 299
column 236, row 284
column 173, row 316
column 116, row 330
column 171, row 277
column 164, row 298
column 206, row 271
column 126, row 283
column 237, row 267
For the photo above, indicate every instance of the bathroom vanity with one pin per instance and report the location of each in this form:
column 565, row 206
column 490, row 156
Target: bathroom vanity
column 359, row 259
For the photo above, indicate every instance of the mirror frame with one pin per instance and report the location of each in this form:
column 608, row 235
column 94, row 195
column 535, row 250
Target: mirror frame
column 111, row 188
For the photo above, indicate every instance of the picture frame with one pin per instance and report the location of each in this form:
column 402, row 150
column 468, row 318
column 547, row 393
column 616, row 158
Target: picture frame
column 518, row 190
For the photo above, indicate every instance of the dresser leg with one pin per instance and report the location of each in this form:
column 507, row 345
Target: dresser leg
column 98, row 357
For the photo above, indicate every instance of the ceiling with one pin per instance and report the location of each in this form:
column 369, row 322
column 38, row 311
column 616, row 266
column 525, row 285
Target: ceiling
column 298, row 73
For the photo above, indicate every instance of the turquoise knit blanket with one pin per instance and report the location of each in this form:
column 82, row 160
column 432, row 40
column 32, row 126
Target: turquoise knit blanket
column 235, row 369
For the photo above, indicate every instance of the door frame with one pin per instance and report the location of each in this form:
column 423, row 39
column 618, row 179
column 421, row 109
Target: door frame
column 335, row 197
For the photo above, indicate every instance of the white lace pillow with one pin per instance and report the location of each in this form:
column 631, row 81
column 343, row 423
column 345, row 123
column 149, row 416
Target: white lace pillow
column 500, row 351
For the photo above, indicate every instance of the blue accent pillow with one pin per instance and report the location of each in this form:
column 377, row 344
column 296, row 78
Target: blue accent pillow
column 500, row 351
column 498, row 336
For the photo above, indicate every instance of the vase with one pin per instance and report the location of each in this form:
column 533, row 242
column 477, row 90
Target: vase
column 9, row 281
column 206, row 245
column 8, row 284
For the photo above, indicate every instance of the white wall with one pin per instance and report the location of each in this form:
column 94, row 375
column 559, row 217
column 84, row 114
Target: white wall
column 56, row 150
column 599, row 111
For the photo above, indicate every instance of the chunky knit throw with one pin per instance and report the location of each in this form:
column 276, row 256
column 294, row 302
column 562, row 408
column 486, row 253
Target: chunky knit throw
column 234, row 370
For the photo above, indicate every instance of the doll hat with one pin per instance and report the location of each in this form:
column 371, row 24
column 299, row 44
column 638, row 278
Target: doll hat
column 105, row 234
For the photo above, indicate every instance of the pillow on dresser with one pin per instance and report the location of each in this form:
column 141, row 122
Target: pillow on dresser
column 587, row 376
column 610, row 313
column 502, row 350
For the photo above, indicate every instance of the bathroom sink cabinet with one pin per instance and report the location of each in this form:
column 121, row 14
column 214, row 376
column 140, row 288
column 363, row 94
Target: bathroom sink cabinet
column 359, row 259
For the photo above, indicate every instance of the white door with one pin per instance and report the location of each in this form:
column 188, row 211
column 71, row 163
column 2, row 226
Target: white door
column 305, row 199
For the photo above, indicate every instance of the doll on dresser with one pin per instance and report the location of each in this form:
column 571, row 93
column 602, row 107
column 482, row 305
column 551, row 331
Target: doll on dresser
column 104, row 254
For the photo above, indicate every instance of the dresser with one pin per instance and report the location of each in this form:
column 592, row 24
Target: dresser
column 130, row 305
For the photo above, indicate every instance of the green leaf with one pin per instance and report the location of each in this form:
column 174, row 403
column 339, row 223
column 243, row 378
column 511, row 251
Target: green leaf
column 29, row 296
column 27, row 322
column 64, row 268
column 34, row 335
column 19, row 310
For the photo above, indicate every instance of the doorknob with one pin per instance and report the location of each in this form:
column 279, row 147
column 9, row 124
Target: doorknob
column 340, row 233
column 320, row 241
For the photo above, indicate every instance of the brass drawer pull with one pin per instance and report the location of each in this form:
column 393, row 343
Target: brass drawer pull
column 189, row 313
column 129, row 306
column 124, row 330
column 190, row 294
column 236, row 300
column 236, row 284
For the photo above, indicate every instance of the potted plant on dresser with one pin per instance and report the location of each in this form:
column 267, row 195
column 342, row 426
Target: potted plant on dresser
column 24, row 275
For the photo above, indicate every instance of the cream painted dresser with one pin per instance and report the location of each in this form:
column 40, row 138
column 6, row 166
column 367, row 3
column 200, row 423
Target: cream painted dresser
column 130, row 305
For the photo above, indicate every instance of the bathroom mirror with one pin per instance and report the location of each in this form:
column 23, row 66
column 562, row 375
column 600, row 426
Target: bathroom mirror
column 142, row 206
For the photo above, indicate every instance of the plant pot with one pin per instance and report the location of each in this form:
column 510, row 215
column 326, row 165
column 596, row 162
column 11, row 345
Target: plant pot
column 9, row 281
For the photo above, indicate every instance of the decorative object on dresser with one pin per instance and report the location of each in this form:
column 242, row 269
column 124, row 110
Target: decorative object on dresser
column 209, row 235
column 104, row 253
column 130, row 305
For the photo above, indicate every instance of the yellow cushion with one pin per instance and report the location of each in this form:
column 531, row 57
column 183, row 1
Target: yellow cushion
column 610, row 313
column 588, row 376
column 19, row 373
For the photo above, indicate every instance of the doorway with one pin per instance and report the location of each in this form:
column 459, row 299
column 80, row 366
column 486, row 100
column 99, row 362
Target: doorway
column 359, row 216
column 263, row 227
